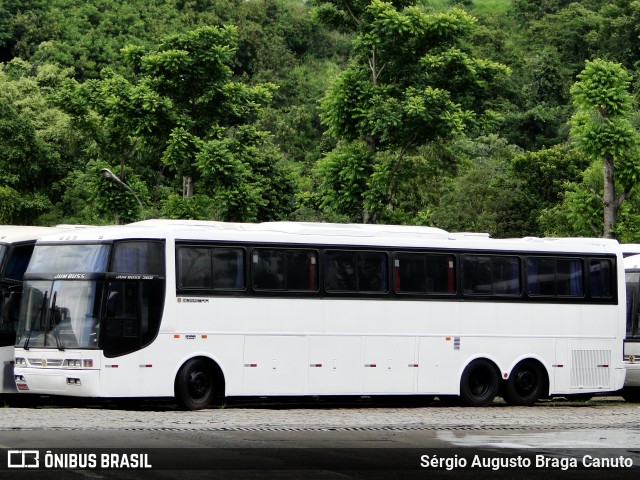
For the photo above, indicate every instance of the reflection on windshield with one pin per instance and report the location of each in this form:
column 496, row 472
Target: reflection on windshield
column 57, row 314
column 69, row 258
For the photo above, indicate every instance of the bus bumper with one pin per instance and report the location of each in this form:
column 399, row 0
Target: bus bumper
column 73, row 383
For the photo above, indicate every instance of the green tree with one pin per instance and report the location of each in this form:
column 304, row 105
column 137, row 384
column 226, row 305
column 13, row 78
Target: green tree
column 180, row 116
column 603, row 130
column 38, row 146
column 412, row 79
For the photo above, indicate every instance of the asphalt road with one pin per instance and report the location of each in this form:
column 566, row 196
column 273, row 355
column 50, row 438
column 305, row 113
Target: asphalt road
column 323, row 438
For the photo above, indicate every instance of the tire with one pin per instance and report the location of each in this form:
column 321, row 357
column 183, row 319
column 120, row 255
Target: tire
column 479, row 383
column 194, row 387
column 631, row 394
column 526, row 384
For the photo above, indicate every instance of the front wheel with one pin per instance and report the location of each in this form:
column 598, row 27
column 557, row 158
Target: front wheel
column 526, row 384
column 479, row 383
column 194, row 388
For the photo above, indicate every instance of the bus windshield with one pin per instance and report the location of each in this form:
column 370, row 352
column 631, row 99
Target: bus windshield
column 61, row 297
column 59, row 314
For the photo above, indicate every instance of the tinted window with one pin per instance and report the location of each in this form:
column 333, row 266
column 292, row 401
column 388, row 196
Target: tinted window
column 424, row 273
column 18, row 261
column 561, row 277
column 490, row 275
column 194, row 267
column 211, row 268
column 284, row 269
column 347, row 271
column 142, row 257
column 600, row 278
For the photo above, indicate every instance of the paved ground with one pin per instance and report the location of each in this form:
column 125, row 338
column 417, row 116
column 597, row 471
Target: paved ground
column 326, row 438
column 599, row 413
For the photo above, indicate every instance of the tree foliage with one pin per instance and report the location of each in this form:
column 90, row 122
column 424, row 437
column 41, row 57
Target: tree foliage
column 604, row 132
column 443, row 113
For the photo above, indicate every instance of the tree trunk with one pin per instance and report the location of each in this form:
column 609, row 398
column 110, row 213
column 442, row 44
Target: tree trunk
column 187, row 187
column 609, row 200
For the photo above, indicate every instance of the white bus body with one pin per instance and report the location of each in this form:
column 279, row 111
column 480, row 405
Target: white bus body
column 631, row 390
column 16, row 246
column 202, row 309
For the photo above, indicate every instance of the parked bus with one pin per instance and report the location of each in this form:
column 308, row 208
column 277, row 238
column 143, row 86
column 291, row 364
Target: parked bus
column 16, row 246
column 631, row 390
column 203, row 310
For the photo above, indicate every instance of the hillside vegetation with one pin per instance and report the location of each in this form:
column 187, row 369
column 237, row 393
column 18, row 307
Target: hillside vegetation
column 491, row 115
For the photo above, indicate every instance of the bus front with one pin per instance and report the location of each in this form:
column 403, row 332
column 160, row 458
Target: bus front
column 84, row 303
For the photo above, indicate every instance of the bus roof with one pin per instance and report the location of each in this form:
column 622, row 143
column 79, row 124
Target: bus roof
column 25, row 233
column 22, row 233
column 330, row 234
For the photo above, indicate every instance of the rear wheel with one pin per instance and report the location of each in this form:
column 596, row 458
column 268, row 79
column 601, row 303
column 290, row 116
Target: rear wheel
column 479, row 383
column 194, row 388
column 526, row 384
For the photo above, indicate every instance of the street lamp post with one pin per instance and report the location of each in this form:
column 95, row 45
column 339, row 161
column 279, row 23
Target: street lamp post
column 113, row 178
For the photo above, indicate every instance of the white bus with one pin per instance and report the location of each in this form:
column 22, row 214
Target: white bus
column 203, row 310
column 16, row 246
column 631, row 390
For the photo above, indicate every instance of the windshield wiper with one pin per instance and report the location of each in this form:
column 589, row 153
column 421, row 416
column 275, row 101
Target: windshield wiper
column 54, row 328
column 39, row 317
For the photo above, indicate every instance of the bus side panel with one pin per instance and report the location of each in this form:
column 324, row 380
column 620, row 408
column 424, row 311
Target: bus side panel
column 335, row 365
column 559, row 380
column 438, row 360
column 275, row 365
column 162, row 360
column 390, row 365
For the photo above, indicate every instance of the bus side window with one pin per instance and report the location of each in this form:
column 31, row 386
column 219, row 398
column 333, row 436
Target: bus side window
column 138, row 256
column 340, row 271
column 18, row 261
column 194, row 267
column 555, row 277
column 600, row 278
column 291, row 270
column 227, row 268
column 347, row 271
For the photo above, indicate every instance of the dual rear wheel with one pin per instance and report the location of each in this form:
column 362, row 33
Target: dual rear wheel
column 480, row 384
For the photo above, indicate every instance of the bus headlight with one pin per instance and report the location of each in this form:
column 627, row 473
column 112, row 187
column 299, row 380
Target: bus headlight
column 21, row 362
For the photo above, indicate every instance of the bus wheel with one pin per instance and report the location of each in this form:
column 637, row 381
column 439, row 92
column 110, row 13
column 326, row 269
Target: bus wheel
column 526, row 384
column 631, row 394
column 479, row 383
column 194, row 385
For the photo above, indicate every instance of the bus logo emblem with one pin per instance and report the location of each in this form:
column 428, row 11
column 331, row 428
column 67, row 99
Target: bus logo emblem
column 44, row 363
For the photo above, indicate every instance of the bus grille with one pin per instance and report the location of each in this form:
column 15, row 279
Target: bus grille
column 590, row 368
